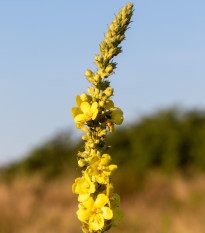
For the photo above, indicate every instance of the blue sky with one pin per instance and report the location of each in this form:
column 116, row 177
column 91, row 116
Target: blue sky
column 46, row 46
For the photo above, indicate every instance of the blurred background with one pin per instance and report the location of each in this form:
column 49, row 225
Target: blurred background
column 45, row 49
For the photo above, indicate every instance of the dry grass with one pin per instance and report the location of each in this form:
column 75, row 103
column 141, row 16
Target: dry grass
column 163, row 205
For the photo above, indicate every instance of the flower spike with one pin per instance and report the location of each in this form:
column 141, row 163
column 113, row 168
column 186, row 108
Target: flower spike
column 96, row 114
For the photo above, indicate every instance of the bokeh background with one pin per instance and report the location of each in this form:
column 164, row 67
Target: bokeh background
column 45, row 49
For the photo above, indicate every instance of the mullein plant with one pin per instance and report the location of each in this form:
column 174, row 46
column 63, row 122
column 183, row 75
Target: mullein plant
column 95, row 115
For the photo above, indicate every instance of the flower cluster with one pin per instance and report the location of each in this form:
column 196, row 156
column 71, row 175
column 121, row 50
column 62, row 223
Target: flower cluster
column 96, row 114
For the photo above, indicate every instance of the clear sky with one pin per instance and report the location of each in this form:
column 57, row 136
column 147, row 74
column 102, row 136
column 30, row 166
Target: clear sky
column 46, row 46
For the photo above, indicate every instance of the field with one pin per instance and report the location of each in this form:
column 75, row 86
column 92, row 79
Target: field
column 163, row 204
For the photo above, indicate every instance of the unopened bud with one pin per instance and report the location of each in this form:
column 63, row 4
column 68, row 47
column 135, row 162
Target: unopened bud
column 81, row 163
column 108, row 34
column 102, row 133
column 88, row 73
column 109, row 69
column 84, row 97
column 101, row 103
column 109, row 91
column 97, row 141
column 92, row 145
column 112, row 27
column 84, row 137
column 97, row 91
column 97, row 78
column 91, row 90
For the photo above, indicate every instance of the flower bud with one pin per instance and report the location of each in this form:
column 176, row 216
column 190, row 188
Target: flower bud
column 101, row 103
column 97, row 91
column 81, row 163
column 97, row 78
column 102, row 133
column 92, row 145
column 83, row 154
column 91, row 90
column 102, row 46
column 84, row 97
column 88, row 73
column 108, row 34
column 109, row 69
column 112, row 26
column 109, row 91
column 87, row 147
column 85, row 137
column 97, row 141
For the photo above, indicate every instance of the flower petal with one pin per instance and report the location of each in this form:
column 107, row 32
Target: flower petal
column 105, row 159
column 102, row 179
column 78, row 100
column 88, row 203
column 87, row 177
column 94, row 110
column 83, row 214
column 83, row 197
column 101, row 201
column 94, row 106
column 92, row 187
column 96, row 222
column 80, row 118
column 85, row 107
column 95, row 113
column 107, row 213
column 76, row 188
column 75, row 111
column 112, row 167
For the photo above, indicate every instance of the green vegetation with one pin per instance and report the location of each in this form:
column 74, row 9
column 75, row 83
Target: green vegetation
column 169, row 140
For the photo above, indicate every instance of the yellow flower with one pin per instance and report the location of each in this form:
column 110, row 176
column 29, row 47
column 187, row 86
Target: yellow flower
column 84, row 187
column 84, row 112
column 99, row 168
column 88, row 112
column 95, row 212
